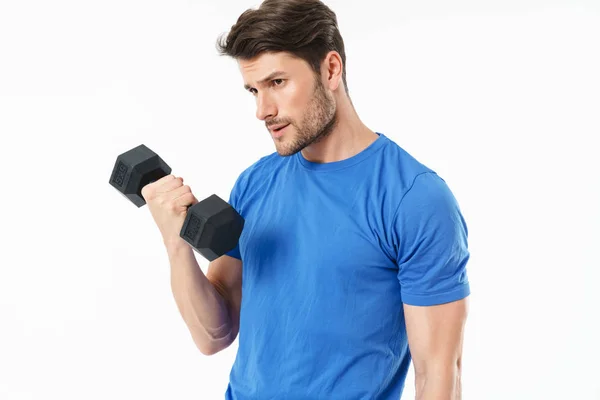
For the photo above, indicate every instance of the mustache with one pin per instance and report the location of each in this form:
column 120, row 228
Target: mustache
column 277, row 122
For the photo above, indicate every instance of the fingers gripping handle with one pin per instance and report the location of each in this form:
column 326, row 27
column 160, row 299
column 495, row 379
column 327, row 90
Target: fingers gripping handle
column 212, row 227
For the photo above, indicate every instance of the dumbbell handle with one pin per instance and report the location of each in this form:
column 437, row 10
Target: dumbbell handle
column 211, row 226
column 194, row 223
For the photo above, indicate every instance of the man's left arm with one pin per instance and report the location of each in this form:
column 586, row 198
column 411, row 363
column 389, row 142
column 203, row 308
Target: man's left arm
column 435, row 338
column 430, row 240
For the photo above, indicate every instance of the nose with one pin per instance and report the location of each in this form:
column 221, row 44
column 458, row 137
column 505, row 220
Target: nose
column 265, row 107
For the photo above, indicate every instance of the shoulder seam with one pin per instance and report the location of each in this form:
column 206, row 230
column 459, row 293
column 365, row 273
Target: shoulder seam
column 408, row 191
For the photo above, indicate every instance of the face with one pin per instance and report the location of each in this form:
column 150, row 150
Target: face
column 289, row 95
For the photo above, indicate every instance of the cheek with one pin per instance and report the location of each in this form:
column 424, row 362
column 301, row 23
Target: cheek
column 297, row 100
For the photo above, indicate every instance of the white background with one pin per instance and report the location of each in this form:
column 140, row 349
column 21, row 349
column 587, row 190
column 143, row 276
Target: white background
column 501, row 98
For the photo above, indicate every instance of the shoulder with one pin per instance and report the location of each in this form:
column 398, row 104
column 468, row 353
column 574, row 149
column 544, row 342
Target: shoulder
column 413, row 177
column 256, row 172
column 401, row 163
column 429, row 210
column 428, row 192
column 396, row 174
column 260, row 167
column 414, row 195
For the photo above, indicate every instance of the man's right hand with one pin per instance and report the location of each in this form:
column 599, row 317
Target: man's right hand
column 168, row 200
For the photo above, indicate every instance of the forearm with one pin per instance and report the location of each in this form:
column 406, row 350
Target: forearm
column 439, row 384
column 203, row 309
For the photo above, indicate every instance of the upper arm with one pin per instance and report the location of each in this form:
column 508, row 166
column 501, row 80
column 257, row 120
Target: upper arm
column 432, row 255
column 225, row 274
column 431, row 244
column 435, row 334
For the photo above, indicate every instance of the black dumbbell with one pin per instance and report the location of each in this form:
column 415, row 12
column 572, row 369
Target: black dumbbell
column 212, row 227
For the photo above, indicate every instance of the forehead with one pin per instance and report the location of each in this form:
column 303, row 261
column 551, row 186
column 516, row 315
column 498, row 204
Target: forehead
column 254, row 69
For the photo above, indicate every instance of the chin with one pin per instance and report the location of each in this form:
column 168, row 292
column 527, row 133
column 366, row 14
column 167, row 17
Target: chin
column 284, row 148
column 284, row 151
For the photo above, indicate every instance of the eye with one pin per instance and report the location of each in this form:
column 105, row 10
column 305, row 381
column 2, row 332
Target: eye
column 277, row 82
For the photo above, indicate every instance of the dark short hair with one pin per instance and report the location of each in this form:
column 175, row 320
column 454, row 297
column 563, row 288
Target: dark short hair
column 307, row 29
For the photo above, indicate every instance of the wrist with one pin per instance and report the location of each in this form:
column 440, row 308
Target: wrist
column 176, row 245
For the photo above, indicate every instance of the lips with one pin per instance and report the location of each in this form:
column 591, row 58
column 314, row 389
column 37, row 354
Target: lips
column 277, row 131
column 275, row 128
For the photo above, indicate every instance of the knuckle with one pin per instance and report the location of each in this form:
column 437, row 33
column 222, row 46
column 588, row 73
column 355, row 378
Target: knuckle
column 147, row 192
column 165, row 179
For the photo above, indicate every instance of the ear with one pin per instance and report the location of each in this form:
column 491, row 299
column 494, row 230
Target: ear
column 332, row 69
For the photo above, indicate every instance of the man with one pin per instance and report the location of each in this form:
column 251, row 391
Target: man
column 353, row 258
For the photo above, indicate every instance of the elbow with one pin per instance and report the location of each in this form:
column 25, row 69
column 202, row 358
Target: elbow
column 439, row 378
column 439, row 366
column 209, row 346
column 446, row 368
column 208, row 350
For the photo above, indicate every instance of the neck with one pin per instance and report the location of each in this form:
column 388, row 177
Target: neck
column 349, row 137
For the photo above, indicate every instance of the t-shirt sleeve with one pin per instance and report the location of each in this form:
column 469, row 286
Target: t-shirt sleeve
column 432, row 248
column 234, row 201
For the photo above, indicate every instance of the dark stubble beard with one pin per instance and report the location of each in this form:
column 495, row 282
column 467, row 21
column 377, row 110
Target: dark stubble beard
column 317, row 123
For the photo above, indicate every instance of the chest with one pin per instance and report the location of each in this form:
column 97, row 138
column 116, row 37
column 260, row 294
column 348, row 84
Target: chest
column 319, row 235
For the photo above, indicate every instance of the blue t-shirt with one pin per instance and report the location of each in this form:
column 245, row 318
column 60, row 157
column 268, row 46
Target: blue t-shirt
column 330, row 252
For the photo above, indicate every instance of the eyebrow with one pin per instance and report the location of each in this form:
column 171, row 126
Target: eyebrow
column 269, row 77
